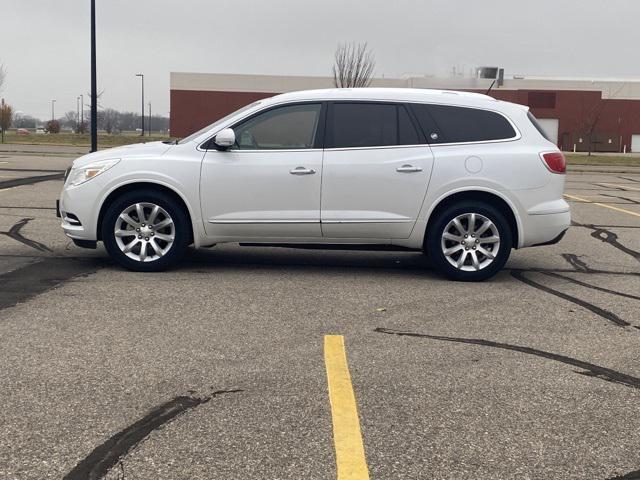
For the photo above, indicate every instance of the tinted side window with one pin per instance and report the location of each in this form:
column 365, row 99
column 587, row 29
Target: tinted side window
column 371, row 125
column 407, row 133
column 449, row 124
column 290, row 127
column 364, row 125
column 536, row 124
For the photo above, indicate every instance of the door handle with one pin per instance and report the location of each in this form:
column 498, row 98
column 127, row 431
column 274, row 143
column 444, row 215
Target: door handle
column 302, row 171
column 408, row 169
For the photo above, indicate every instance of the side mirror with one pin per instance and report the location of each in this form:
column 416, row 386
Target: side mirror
column 225, row 139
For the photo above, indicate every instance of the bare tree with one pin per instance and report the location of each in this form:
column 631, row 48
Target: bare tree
column 6, row 117
column 70, row 120
column 590, row 114
column 588, row 120
column 353, row 65
column 3, row 74
column 108, row 118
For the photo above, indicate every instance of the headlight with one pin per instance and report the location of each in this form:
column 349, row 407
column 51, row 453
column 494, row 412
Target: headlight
column 80, row 175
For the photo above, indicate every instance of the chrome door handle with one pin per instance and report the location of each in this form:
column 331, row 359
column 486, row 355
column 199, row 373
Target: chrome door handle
column 408, row 169
column 302, row 171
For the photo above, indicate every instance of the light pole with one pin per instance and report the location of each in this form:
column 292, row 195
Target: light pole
column 149, row 118
column 82, row 112
column 94, row 84
column 2, row 118
column 141, row 75
column 53, row 111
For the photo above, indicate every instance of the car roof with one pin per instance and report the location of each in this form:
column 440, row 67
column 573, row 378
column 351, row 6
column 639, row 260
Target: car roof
column 389, row 94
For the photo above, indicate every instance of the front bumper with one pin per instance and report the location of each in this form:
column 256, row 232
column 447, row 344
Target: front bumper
column 76, row 209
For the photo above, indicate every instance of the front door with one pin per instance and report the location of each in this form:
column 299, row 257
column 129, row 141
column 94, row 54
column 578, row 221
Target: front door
column 376, row 171
column 268, row 184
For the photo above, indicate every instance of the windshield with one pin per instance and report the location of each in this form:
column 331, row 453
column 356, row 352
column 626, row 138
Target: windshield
column 215, row 124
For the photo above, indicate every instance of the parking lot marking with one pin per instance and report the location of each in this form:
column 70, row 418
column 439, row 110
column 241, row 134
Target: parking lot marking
column 584, row 200
column 350, row 458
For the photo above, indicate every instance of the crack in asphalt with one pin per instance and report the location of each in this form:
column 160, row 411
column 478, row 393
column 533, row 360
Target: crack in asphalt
column 108, row 454
column 630, row 179
column 590, row 369
column 602, row 232
column 18, row 182
column 631, row 200
column 611, row 238
column 635, row 475
column 601, row 312
column 14, row 232
column 594, row 287
column 609, row 187
column 575, row 262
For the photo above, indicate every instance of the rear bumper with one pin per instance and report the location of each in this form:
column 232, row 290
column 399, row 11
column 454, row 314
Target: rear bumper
column 545, row 229
column 553, row 241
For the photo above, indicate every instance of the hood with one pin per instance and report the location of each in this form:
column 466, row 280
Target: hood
column 151, row 149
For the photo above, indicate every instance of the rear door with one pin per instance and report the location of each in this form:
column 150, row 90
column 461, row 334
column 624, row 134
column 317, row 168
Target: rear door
column 376, row 170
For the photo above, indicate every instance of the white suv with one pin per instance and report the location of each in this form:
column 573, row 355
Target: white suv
column 459, row 175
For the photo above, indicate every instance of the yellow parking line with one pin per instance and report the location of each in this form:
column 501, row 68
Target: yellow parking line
column 347, row 438
column 573, row 197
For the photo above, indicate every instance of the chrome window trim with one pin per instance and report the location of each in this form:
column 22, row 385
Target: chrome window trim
column 372, row 220
column 379, row 147
column 260, row 221
column 517, row 137
column 239, row 150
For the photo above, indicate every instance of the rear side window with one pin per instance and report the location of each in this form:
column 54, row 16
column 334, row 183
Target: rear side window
column 450, row 124
column 536, row 124
column 371, row 125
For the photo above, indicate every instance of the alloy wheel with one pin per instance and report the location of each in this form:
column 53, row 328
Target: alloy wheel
column 144, row 232
column 470, row 242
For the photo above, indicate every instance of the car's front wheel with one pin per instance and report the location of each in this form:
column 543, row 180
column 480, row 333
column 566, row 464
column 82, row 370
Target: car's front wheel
column 469, row 241
column 145, row 230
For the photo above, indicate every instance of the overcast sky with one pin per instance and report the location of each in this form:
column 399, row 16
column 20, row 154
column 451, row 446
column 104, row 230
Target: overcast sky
column 45, row 44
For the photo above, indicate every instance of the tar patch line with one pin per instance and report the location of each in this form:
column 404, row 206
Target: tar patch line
column 27, row 282
column 108, row 454
column 589, row 369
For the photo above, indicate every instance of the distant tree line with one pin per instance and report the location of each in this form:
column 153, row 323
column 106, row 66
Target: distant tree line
column 109, row 120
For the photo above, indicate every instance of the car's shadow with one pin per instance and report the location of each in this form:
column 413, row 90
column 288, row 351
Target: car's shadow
column 234, row 257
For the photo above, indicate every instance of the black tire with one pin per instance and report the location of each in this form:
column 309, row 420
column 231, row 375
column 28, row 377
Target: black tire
column 181, row 224
column 433, row 242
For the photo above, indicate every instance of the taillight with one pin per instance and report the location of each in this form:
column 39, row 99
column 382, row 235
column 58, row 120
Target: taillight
column 554, row 161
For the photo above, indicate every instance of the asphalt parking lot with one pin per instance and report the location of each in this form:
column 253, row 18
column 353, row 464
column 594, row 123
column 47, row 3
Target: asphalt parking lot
column 218, row 368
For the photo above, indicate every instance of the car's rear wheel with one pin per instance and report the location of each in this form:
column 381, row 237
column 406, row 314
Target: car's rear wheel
column 469, row 241
column 145, row 230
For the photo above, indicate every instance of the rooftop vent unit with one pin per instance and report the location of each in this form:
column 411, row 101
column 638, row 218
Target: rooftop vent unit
column 492, row 73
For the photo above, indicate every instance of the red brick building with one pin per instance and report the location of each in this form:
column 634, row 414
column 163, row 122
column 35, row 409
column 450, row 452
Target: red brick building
column 576, row 113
